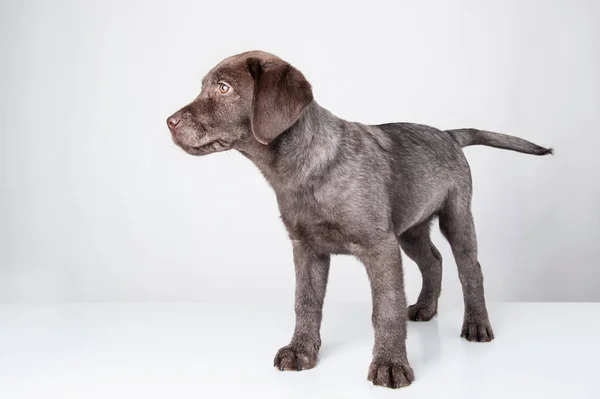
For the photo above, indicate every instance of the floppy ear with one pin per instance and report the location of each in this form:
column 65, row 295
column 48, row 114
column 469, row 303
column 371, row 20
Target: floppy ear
column 281, row 93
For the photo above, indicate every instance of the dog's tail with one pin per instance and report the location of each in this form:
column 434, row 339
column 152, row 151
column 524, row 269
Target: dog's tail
column 466, row 137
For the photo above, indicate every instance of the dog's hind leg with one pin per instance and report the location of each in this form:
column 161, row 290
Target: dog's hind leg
column 417, row 245
column 456, row 223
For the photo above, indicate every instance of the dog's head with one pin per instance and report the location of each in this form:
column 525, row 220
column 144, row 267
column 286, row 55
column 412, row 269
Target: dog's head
column 253, row 94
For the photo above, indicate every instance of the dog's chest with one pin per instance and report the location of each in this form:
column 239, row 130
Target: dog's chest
column 319, row 223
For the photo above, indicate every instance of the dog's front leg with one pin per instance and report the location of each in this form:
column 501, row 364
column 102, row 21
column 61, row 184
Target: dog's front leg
column 383, row 262
column 312, row 270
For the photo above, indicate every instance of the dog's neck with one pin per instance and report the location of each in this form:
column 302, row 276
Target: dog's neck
column 301, row 152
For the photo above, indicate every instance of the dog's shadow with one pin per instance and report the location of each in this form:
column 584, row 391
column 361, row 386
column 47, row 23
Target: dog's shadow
column 350, row 325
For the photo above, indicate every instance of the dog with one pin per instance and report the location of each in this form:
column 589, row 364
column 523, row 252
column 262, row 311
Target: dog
column 349, row 188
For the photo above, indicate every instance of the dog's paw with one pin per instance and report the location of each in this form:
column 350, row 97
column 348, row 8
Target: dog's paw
column 294, row 358
column 419, row 312
column 391, row 374
column 477, row 331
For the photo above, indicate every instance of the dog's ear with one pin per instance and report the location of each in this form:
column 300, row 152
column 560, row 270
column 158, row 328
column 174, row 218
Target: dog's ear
column 281, row 93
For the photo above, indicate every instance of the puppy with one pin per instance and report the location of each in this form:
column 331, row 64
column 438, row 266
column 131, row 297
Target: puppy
column 348, row 188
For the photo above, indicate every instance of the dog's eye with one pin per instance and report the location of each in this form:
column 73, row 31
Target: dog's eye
column 223, row 87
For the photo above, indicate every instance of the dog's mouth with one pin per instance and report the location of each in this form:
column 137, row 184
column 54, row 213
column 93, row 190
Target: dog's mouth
column 217, row 145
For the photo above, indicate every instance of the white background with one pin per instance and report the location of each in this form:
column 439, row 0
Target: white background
column 98, row 204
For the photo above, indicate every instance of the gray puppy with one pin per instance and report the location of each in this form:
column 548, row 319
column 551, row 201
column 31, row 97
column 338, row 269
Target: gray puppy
column 348, row 188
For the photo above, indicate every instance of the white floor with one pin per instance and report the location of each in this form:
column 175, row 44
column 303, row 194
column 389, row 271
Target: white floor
column 226, row 351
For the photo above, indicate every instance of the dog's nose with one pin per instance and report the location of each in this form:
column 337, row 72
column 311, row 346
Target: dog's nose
column 173, row 121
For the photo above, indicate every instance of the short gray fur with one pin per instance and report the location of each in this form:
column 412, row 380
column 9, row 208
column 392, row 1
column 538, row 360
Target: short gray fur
column 349, row 188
